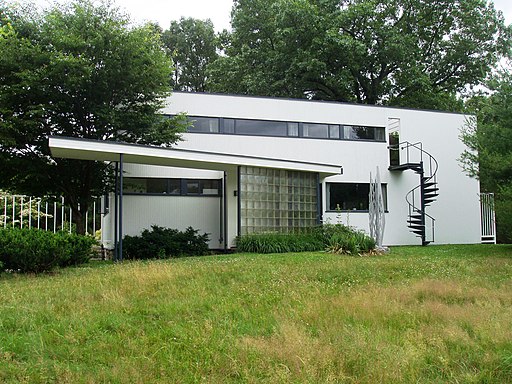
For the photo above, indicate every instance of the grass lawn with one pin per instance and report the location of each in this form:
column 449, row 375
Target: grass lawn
column 428, row 315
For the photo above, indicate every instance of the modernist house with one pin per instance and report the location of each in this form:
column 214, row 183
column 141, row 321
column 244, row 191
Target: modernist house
column 253, row 164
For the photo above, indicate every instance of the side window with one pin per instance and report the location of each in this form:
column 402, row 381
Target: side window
column 176, row 187
column 351, row 196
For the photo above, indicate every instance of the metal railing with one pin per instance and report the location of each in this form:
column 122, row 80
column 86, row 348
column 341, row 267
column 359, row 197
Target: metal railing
column 46, row 213
column 488, row 218
column 429, row 175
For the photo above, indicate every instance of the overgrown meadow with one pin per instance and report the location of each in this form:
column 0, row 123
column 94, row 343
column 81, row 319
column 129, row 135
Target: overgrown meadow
column 430, row 315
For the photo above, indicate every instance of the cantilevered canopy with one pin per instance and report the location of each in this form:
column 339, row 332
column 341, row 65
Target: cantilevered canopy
column 83, row 149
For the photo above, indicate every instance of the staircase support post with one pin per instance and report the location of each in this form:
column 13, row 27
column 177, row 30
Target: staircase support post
column 423, row 205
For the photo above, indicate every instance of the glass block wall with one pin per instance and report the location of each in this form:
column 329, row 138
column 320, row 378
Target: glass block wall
column 277, row 200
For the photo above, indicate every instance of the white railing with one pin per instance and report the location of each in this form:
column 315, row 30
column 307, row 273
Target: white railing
column 45, row 213
column 488, row 218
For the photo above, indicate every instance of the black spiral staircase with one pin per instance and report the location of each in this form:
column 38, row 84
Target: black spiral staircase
column 421, row 196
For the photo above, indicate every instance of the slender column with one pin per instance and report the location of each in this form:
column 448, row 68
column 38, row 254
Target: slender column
column 5, row 212
column 319, row 202
column 94, row 218
column 30, row 212
column 13, row 209
column 116, row 212
column 225, row 213
column 63, row 213
column 239, row 201
column 121, row 207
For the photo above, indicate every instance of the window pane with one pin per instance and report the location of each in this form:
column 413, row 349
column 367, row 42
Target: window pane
column 348, row 133
column 293, row 129
column 156, row 185
column 356, row 132
column 334, row 131
column 261, row 128
column 229, row 126
column 192, row 187
column 204, row 124
column 210, row 187
column 315, row 130
column 131, row 185
column 348, row 196
column 380, row 134
column 351, row 196
column 364, row 133
column 174, row 186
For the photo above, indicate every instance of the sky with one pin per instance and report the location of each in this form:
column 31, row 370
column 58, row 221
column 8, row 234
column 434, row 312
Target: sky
column 218, row 11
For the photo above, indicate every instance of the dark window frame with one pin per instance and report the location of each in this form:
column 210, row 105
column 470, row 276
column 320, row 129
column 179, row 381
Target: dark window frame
column 182, row 182
column 228, row 126
column 366, row 193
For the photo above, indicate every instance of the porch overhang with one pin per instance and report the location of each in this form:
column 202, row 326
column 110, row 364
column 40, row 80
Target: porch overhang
column 84, row 149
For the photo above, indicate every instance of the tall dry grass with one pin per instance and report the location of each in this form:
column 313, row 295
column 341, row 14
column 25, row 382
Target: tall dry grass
column 430, row 315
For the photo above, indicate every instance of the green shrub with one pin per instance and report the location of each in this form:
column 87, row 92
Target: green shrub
column 336, row 238
column 32, row 250
column 164, row 243
column 78, row 248
column 346, row 240
column 273, row 242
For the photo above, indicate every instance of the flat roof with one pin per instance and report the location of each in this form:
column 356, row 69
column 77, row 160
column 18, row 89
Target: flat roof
column 332, row 102
column 98, row 150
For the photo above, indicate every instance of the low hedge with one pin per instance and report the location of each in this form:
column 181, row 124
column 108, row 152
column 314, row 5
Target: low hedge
column 35, row 251
column 161, row 243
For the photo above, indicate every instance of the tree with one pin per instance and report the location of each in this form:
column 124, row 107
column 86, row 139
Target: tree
column 79, row 71
column 489, row 141
column 193, row 45
column 416, row 53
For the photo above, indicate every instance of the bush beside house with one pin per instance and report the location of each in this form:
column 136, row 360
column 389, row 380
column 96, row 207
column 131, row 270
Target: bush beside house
column 162, row 243
column 35, row 251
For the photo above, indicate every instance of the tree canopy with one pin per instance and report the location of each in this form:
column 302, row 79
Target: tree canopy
column 193, row 46
column 416, row 53
column 78, row 70
column 489, row 141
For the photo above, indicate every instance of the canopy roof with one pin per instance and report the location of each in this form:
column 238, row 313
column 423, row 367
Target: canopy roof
column 84, row 149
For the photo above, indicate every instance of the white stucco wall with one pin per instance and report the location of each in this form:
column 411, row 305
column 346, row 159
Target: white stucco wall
column 457, row 209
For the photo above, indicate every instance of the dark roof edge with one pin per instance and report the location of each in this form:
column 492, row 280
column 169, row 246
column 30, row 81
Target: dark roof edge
column 322, row 101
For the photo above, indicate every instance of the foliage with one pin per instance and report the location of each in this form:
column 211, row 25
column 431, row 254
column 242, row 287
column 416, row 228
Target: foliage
column 432, row 314
column 335, row 238
column 279, row 242
column 35, row 251
column 193, row 45
column 489, row 143
column 416, row 53
column 342, row 239
column 77, row 70
column 160, row 243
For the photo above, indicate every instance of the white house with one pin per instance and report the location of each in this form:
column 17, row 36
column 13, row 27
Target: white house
column 252, row 164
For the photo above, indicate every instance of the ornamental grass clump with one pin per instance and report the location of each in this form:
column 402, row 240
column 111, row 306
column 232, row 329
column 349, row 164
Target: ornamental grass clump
column 275, row 242
column 334, row 238
column 341, row 239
